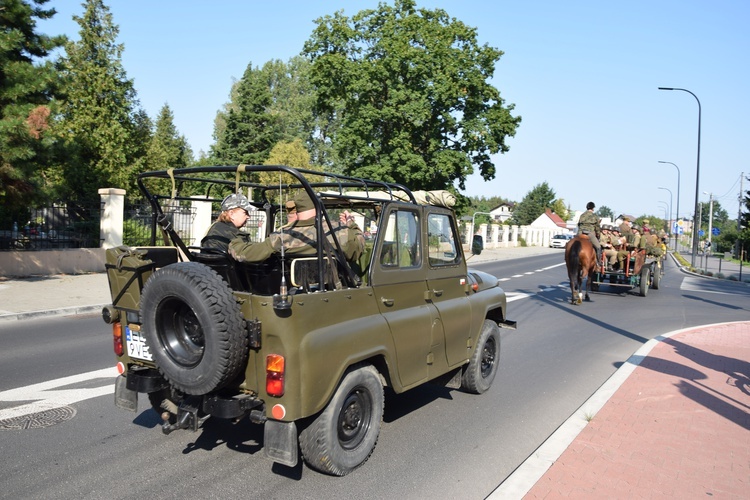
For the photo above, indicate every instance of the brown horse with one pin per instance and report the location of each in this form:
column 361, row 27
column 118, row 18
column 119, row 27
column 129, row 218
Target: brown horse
column 580, row 259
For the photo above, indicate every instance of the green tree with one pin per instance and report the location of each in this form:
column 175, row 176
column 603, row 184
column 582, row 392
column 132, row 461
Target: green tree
column 533, row 204
column 605, row 211
column 292, row 154
column 167, row 148
column 558, row 207
column 28, row 85
column 277, row 98
column 408, row 90
column 99, row 118
column 249, row 130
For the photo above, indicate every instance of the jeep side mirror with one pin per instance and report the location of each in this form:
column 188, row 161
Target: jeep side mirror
column 477, row 244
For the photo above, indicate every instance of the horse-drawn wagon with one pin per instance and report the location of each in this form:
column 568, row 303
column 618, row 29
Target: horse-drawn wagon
column 638, row 268
column 640, row 271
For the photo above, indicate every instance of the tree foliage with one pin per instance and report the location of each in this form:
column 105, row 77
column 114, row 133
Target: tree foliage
column 533, row 204
column 408, row 91
column 167, row 148
column 99, row 116
column 605, row 211
column 250, row 130
column 559, row 208
column 28, row 85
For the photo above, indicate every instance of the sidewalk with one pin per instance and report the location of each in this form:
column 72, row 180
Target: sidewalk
column 25, row 298
column 672, row 422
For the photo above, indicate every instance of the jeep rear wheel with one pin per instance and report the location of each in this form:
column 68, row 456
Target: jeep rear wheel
column 480, row 372
column 194, row 328
column 344, row 435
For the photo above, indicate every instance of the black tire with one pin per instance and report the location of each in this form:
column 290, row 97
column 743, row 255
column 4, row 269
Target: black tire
column 480, row 372
column 656, row 277
column 344, row 435
column 645, row 278
column 194, row 328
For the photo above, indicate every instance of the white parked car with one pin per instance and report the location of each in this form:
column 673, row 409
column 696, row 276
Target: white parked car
column 560, row 240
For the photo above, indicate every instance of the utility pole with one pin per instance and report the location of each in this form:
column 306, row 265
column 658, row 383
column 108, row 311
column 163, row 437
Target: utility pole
column 739, row 218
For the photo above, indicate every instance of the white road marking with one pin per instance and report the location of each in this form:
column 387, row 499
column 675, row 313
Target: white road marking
column 47, row 396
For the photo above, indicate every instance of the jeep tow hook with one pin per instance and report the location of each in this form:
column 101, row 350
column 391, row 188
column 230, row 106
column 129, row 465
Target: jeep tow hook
column 187, row 418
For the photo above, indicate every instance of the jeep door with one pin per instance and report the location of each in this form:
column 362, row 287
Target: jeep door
column 447, row 283
column 400, row 287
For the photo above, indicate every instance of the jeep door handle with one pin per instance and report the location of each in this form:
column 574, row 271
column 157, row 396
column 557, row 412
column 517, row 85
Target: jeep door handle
column 388, row 302
column 437, row 293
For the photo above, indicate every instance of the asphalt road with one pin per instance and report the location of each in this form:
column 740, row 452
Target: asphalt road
column 434, row 443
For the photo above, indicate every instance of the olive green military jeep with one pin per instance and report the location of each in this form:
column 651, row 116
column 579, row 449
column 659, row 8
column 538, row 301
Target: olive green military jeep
column 304, row 345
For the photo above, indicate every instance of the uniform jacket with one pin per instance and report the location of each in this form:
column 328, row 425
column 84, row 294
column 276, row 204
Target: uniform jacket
column 589, row 221
column 298, row 239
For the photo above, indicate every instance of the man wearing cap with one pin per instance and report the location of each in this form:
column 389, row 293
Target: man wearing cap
column 609, row 244
column 298, row 236
column 234, row 215
column 589, row 223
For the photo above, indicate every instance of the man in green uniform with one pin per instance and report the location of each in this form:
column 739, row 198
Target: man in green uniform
column 298, row 237
column 589, row 223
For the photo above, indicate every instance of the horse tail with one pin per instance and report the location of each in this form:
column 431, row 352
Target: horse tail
column 574, row 256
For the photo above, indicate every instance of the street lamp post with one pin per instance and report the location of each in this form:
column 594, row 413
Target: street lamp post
column 670, row 208
column 677, row 214
column 665, row 208
column 710, row 216
column 697, row 172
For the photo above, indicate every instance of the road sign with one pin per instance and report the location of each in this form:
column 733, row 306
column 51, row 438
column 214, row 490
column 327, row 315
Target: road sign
column 677, row 228
column 701, row 232
column 715, row 231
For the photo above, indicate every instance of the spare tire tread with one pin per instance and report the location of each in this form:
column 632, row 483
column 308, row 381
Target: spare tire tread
column 194, row 327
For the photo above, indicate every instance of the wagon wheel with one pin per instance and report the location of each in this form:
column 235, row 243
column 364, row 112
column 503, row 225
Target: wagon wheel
column 645, row 278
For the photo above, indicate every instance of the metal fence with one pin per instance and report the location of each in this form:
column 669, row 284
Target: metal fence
column 54, row 227
column 138, row 224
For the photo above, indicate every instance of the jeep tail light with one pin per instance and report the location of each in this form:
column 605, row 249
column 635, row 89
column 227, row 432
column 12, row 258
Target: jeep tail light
column 275, row 375
column 117, row 338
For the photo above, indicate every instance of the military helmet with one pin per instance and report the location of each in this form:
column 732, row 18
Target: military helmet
column 646, row 222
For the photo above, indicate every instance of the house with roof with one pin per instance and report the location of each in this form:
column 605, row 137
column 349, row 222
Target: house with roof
column 502, row 212
column 550, row 220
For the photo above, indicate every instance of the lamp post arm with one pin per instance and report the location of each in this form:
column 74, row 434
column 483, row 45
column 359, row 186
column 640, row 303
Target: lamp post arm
column 697, row 172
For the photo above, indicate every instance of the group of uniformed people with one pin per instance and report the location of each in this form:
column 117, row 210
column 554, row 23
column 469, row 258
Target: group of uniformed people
column 297, row 237
column 619, row 242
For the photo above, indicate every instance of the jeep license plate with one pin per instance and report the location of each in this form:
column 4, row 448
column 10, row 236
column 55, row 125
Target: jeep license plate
column 137, row 347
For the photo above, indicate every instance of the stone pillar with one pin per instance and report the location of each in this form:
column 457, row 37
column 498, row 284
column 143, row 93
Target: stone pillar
column 514, row 236
column 506, row 236
column 494, row 235
column 113, row 209
column 202, row 221
column 483, row 231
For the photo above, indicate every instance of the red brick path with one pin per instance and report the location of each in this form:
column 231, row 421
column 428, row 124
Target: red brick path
column 678, row 427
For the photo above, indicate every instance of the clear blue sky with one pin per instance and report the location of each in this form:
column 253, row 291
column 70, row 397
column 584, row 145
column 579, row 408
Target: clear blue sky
column 582, row 74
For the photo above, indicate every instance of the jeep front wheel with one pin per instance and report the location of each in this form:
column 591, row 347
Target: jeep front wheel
column 480, row 372
column 194, row 328
column 344, row 435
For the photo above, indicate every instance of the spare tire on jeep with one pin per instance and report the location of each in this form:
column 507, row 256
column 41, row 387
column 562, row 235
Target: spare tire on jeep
column 194, row 328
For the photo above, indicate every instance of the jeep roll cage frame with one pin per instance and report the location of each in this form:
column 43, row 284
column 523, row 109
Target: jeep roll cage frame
column 325, row 189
